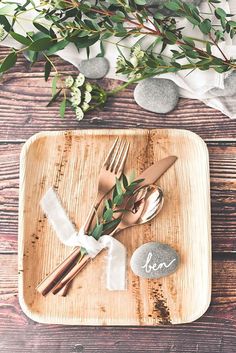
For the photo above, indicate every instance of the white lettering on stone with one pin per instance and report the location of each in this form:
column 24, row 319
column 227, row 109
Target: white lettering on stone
column 155, row 267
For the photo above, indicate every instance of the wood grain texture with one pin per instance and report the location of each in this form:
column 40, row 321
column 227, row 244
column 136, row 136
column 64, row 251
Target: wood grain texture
column 223, row 186
column 70, row 162
column 23, row 111
column 215, row 332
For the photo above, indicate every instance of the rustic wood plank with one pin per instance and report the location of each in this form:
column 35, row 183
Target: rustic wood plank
column 223, row 173
column 215, row 332
column 24, row 95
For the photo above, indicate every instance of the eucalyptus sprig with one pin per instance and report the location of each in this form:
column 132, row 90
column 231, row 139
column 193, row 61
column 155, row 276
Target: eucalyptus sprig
column 58, row 23
column 115, row 206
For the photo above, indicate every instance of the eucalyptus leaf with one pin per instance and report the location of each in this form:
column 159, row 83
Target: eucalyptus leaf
column 47, row 70
column 107, row 216
column 21, row 39
column 8, row 62
column 54, row 97
column 57, row 47
column 119, row 187
column 41, row 44
column 205, row 26
column 63, row 108
column 97, row 232
column 4, row 21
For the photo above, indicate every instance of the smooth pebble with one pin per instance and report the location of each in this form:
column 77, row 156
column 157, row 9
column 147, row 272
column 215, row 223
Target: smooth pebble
column 157, row 95
column 230, row 87
column 154, row 260
column 94, row 68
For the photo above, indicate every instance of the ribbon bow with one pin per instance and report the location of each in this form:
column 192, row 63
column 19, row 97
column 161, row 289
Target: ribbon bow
column 67, row 234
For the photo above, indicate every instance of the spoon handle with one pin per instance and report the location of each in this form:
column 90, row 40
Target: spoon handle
column 49, row 282
column 70, row 276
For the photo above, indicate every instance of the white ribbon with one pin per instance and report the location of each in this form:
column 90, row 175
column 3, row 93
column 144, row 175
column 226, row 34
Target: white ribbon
column 67, row 234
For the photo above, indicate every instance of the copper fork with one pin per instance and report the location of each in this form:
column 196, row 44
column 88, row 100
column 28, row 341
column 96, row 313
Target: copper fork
column 111, row 170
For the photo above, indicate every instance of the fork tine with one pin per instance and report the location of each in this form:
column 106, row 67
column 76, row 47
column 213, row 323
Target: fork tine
column 115, row 155
column 122, row 158
column 105, row 164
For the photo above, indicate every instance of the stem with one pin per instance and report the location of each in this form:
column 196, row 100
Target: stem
column 121, row 87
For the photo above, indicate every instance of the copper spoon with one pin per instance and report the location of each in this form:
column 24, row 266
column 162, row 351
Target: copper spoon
column 143, row 206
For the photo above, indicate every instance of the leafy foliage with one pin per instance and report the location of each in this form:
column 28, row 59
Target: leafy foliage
column 114, row 207
column 58, row 23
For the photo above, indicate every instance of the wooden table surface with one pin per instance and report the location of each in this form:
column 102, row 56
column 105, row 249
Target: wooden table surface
column 23, row 97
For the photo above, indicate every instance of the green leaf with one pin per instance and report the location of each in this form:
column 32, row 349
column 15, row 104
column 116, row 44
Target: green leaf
column 54, row 85
column 205, row 26
column 220, row 13
column 171, row 5
column 57, row 46
column 171, row 37
column 120, row 13
column 189, row 41
column 87, row 41
column 140, row 2
column 47, row 70
column 63, row 108
column 7, row 9
column 4, row 21
column 119, row 187
column 41, row 28
column 108, row 204
column 8, row 62
column 117, row 18
column 118, row 200
column 208, row 48
column 193, row 20
column 221, row 69
column 32, row 56
column 41, row 44
column 102, row 50
column 114, row 223
column 54, row 98
column 107, row 216
column 125, row 181
column 21, row 39
column 97, row 232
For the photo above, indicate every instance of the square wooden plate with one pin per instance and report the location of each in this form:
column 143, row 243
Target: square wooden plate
column 70, row 162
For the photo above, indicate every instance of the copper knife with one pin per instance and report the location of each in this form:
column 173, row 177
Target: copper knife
column 150, row 176
column 156, row 170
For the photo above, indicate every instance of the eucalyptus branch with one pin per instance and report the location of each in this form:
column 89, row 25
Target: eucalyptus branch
column 85, row 24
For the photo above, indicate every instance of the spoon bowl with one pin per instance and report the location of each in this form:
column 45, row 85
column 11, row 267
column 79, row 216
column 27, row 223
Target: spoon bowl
column 144, row 205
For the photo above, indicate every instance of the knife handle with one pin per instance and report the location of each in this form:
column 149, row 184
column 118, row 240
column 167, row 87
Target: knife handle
column 61, row 270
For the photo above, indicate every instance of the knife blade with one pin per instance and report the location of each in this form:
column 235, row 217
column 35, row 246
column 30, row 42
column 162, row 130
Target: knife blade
column 156, row 170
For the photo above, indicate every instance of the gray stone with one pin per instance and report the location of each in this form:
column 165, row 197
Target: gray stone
column 157, row 95
column 154, row 260
column 230, row 87
column 94, row 68
column 155, row 3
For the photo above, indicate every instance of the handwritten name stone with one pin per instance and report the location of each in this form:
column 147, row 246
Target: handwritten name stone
column 154, row 260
